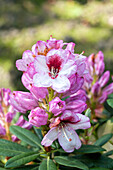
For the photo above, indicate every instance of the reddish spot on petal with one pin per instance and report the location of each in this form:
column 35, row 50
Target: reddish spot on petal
column 34, row 55
column 54, row 65
column 70, row 140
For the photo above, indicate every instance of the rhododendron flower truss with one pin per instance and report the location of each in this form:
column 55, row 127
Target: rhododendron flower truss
column 7, row 112
column 96, row 91
column 65, row 131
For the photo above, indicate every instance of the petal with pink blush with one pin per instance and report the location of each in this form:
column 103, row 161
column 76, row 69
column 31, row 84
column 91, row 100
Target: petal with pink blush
column 50, row 137
column 68, row 139
column 83, row 123
column 61, row 84
column 104, row 78
column 68, row 69
column 42, row 80
column 21, row 65
column 40, row 64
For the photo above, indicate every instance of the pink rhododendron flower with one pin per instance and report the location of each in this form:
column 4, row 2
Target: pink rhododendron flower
column 53, row 70
column 65, row 131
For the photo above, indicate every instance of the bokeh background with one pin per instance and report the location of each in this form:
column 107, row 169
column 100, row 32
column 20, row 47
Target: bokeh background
column 88, row 23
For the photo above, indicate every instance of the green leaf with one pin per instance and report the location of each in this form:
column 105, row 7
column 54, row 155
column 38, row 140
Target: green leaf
column 89, row 149
column 104, row 139
column 47, row 165
column 21, row 159
column 110, row 102
column 70, row 162
column 12, row 150
column 27, row 167
column 38, row 132
column 108, row 153
column 95, row 160
column 8, row 148
column 26, row 136
column 99, row 168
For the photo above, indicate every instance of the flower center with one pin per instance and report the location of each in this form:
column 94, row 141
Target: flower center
column 54, row 65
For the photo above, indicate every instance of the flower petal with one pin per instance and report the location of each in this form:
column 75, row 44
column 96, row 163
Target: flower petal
column 83, row 123
column 68, row 69
column 50, row 137
column 40, row 64
column 42, row 80
column 68, row 139
column 61, row 84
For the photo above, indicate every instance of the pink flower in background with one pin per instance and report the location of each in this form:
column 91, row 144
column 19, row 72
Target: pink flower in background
column 65, row 131
column 96, row 91
column 7, row 111
column 96, row 66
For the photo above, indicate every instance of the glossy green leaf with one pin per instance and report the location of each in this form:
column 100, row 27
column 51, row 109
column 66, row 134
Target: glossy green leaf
column 108, row 153
column 21, row 159
column 38, row 133
column 12, row 149
column 47, row 165
column 99, row 168
column 95, row 160
column 27, row 167
column 104, row 139
column 70, row 162
column 89, row 149
column 110, row 102
column 26, row 136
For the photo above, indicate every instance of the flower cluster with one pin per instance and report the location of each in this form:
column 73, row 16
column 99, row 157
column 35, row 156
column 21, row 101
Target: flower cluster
column 54, row 76
column 7, row 111
column 95, row 88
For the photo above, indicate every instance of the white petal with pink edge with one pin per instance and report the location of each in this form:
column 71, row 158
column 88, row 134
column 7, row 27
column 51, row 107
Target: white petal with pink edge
column 50, row 137
column 40, row 64
column 83, row 123
column 42, row 80
column 60, row 84
column 68, row 139
column 68, row 69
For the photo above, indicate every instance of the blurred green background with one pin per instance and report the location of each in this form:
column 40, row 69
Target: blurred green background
column 88, row 23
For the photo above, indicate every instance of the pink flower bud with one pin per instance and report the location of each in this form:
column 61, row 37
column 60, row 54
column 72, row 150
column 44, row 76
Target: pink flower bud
column 23, row 101
column 38, row 117
column 23, row 123
column 104, row 79
column 2, row 130
column 6, row 96
column 56, row 106
column 77, row 106
column 108, row 89
column 99, row 63
column 9, row 116
column 96, row 89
